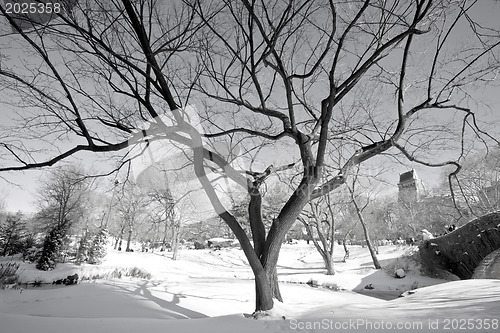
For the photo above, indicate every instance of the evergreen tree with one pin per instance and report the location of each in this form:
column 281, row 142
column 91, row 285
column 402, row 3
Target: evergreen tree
column 52, row 247
column 97, row 251
column 83, row 248
column 12, row 234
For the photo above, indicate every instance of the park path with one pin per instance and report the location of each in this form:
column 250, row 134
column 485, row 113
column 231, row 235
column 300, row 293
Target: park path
column 489, row 268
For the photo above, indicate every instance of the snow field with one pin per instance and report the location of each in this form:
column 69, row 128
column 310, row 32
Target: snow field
column 210, row 291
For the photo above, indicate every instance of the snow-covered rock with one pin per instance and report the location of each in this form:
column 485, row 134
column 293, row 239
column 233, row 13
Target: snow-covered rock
column 426, row 235
column 400, row 273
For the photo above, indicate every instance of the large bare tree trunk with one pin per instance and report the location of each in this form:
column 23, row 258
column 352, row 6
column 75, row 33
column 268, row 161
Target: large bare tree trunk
column 330, row 268
column 273, row 242
column 263, row 290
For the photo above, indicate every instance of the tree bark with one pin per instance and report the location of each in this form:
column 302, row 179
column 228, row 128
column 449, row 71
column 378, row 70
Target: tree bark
column 371, row 248
column 346, row 250
column 129, row 239
column 263, row 293
column 328, row 259
column 276, row 237
column 118, row 242
column 175, row 240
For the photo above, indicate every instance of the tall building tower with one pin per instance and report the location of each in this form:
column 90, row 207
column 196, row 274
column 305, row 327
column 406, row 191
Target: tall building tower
column 411, row 188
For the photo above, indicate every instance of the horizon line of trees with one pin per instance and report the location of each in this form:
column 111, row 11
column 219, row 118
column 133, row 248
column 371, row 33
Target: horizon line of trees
column 65, row 210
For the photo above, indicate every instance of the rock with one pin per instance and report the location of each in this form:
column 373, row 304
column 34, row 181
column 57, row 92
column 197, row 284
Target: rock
column 426, row 235
column 198, row 246
column 71, row 279
column 407, row 293
column 312, row 283
column 400, row 273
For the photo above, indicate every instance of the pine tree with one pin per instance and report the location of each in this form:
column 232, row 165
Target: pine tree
column 12, row 233
column 83, row 248
column 52, row 247
column 97, row 251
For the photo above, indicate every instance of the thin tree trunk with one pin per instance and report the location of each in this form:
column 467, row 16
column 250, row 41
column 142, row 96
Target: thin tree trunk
column 119, row 240
column 326, row 247
column 323, row 251
column 164, row 239
column 129, row 239
column 371, row 248
column 346, row 250
column 175, row 240
column 373, row 252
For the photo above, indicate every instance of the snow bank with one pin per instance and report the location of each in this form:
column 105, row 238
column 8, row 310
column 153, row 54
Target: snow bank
column 210, row 291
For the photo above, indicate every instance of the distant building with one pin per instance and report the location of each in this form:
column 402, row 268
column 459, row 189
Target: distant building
column 410, row 187
column 420, row 209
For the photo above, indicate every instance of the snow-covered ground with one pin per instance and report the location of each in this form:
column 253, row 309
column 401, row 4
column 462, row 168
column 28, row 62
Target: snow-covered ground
column 211, row 291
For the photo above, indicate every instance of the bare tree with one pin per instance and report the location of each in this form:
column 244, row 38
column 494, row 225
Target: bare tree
column 62, row 198
column 174, row 194
column 172, row 213
column 287, row 73
column 359, row 208
column 479, row 183
column 319, row 219
column 131, row 213
column 162, row 216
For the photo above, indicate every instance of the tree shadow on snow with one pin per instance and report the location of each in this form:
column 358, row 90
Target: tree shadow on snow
column 172, row 306
column 173, row 309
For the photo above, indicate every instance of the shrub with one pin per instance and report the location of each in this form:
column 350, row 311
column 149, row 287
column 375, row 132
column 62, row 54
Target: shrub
column 8, row 274
column 32, row 254
column 118, row 273
column 137, row 272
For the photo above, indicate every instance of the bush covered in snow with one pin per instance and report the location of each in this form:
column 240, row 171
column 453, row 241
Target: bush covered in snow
column 8, row 274
column 116, row 273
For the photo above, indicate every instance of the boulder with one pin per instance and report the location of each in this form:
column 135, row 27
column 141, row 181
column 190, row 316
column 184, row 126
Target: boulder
column 399, row 273
column 198, row 246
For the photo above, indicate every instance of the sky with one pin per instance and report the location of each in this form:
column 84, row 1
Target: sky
column 18, row 188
